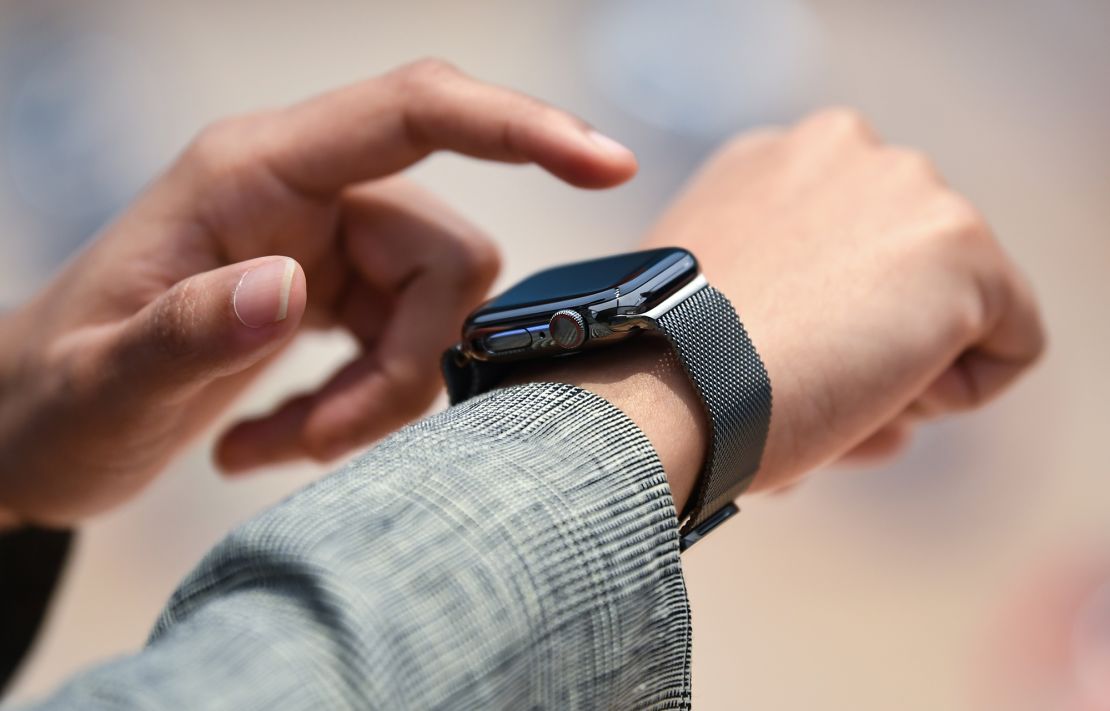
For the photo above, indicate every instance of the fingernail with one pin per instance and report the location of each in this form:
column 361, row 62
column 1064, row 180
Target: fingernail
column 262, row 295
column 1092, row 648
column 608, row 145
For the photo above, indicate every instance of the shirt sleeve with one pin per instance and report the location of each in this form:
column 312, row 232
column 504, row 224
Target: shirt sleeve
column 31, row 564
column 517, row 551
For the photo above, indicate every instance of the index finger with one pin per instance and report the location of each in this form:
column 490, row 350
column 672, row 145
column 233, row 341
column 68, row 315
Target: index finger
column 380, row 126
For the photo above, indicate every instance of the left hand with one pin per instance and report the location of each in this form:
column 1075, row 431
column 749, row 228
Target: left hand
column 267, row 224
column 875, row 294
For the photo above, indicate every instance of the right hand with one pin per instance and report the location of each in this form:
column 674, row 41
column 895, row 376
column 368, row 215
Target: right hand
column 876, row 295
column 268, row 224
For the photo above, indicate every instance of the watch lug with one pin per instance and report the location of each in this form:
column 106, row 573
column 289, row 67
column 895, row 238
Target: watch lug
column 630, row 322
column 459, row 355
column 649, row 320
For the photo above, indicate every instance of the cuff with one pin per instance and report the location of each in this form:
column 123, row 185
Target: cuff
column 519, row 550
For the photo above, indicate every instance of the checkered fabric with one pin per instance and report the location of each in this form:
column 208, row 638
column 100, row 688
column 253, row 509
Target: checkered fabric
column 517, row 551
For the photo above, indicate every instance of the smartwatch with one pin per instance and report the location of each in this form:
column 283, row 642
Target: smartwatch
column 605, row 302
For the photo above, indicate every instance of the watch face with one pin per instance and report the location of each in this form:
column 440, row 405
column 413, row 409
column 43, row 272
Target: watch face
column 572, row 280
column 585, row 296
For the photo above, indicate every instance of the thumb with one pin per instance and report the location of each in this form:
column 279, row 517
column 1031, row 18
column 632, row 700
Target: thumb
column 212, row 324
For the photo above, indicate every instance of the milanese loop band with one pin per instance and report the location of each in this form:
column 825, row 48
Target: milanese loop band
column 724, row 367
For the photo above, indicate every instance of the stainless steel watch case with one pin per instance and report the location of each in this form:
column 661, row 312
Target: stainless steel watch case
column 589, row 321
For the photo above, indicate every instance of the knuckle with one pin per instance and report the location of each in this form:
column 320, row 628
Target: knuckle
column 426, row 72
column 914, row 162
column 171, row 323
column 224, row 147
column 839, row 121
column 418, row 88
column 469, row 263
column 953, row 232
column 744, row 143
column 214, row 142
column 963, row 220
column 480, row 259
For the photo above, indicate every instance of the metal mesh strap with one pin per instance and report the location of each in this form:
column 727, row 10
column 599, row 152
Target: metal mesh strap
column 721, row 361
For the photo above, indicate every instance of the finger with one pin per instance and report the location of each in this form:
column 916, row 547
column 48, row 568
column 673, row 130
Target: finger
column 270, row 439
column 1013, row 341
column 283, row 435
column 212, row 324
column 439, row 268
column 380, row 126
column 881, row 446
column 386, row 388
column 836, row 125
column 419, row 270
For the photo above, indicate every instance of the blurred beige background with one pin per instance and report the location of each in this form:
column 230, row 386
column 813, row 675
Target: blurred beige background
column 870, row 590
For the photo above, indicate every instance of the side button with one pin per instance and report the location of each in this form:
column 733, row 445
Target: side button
column 508, row 340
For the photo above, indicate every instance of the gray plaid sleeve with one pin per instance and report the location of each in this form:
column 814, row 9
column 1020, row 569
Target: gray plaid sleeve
column 518, row 551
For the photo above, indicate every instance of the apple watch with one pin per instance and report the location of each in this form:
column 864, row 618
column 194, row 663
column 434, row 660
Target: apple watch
column 600, row 303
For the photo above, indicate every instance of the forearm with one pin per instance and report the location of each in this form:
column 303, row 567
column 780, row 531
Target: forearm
column 519, row 550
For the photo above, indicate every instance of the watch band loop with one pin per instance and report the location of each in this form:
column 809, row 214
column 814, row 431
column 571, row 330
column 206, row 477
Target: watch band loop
column 716, row 352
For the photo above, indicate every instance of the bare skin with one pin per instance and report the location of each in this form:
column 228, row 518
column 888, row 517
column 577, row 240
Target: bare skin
column 149, row 333
column 875, row 294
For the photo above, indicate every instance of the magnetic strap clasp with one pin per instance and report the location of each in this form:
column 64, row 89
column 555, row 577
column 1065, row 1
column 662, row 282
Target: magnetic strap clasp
column 699, row 532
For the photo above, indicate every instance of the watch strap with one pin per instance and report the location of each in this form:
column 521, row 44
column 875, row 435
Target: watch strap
column 467, row 377
column 716, row 352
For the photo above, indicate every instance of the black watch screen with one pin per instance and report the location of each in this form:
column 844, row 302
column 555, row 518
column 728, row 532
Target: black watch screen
column 575, row 306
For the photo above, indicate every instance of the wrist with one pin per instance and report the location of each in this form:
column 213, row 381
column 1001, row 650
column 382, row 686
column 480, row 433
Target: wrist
column 644, row 379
